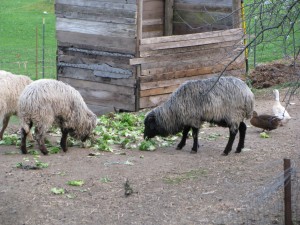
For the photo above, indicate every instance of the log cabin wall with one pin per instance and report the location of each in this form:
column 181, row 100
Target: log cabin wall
column 96, row 39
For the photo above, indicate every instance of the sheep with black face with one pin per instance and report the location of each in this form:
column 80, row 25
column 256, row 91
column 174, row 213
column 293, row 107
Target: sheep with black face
column 225, row 101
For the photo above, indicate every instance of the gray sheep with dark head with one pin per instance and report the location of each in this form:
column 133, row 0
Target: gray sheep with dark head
column 45, row 102
column 225, row 101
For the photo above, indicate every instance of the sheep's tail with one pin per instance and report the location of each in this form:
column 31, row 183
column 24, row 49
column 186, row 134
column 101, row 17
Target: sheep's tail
column 249, row 105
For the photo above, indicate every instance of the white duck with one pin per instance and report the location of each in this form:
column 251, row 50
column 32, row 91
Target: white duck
column 279, row 110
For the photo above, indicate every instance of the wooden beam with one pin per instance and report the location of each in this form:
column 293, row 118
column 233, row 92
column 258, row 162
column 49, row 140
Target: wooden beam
column 237, row 14
column 168, row 28
column 139, row 31
column 176, row 38
column 189, row 72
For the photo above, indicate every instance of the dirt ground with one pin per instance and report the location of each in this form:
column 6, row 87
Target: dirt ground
column 166, row 186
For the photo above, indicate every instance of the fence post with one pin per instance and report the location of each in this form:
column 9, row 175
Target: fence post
column 287, row 192
column 36, row 53
column 43, row 38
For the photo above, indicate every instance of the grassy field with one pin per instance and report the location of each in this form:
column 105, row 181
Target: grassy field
column 21, row 28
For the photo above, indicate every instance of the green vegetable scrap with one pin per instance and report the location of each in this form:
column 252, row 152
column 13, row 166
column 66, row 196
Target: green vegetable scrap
column 11, row 139
column 75, row 182
column 58, row 191
column 147, row 145
column 264, row 135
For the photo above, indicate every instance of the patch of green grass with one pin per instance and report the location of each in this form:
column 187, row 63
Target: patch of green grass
column 276, row 43
column 21, row 37
column 190, row 175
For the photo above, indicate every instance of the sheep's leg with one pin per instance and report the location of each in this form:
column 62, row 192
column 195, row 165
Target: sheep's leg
column 195, row 138
column 232, row 135
column 185, row 132
column 63, row 140
column 23, row 141
column 242, row 130
column 40, row 138
column 23, row 138
column 4, row 125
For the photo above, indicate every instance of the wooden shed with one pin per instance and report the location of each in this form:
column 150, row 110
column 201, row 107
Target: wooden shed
column 131, row 54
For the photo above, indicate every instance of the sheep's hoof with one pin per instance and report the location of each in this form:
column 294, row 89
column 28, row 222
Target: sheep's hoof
column 193, row 152
column 178, row 148
column 224, row 154
column 237, row 151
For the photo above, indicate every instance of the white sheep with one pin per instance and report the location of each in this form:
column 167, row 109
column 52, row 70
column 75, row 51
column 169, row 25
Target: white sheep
column 226, row 101
column 11, row 87
column 48, row 102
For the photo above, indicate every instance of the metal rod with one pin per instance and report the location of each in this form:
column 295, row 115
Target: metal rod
column 287, row 192
column 43, row 60
column 36, row 53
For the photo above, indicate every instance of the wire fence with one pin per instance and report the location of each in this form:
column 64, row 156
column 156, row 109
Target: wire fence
column 27, row 41
column 268, row 203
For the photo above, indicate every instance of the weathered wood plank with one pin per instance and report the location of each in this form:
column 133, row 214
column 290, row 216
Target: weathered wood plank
column 153, row 28
column 186, row 66
column 207, row 53
column 121, row 90
column 118, row 16
column 213, row 56
column 101, row 70
column 158, row 91
column 237, row 13
column 96, row 42
column 152, row 22
column 157, row 5
column 100, row 94
column 190, row 72
column 178, row 81
column 176, row 38
column 169, row 7
column 121, row 63
column 154, row 14
column 139, row 29
column 101, row 109
column 178, row 44
column 161, row 52
column 88, row 75
column 96, row 28
column 129, row 5
column 153, row 34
